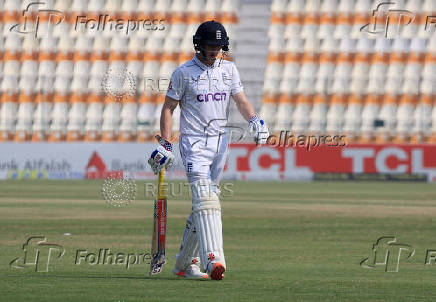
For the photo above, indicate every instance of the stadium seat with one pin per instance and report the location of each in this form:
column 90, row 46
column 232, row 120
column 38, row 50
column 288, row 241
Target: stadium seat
column 344, row 20
column 369, row 116
column 26, row 98
column 285, row 105
column 300, row 122
column 291, row 67
column 310, row 25
column 294, row 46
column 145, row 113
column 422, row 121
column 328, row 18
column 11, row 16
column 114, row 7
column 336, row 111
column 310, row 61
column 41, row 116
column 372, row 101
column 362, row 60
column 8, row 110
column 128, row 119
column 111, row 119
column 380, row 59
column 64, row 57
column 278, row 19
column 353, row 117
column 178, row 22
column 318, row 114
column 274, row 67
column 128, row 9
column 423, row 113
column 426, row 27
column 388, row 111
column 363, row 11
column 94, row 117
column 12, row 56
column 63, row 28
column 212, row 10
column 410, row 31
column 344, row 65
column 135, row 55
column 77, row 112
column 155, row 125
column 229, row 9
column 432, row 138
column 294, row 18
column 429, row 70
column 271, row 90
column 29, row 58
column 59, row 114
column 186, row 50
column 397, row 59
column 47, row 57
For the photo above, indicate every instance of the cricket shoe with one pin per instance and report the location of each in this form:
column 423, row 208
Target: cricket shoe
column 216, row 270
column 191, row 272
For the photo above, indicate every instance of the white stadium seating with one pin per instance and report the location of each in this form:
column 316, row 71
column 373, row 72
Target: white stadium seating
column 53, row 85
column 326, row 73
column 347, row 79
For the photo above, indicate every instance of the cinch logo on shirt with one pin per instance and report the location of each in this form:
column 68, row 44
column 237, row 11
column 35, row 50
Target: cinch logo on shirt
column 218, row 96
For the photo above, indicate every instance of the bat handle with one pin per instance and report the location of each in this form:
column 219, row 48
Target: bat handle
column 161, row 193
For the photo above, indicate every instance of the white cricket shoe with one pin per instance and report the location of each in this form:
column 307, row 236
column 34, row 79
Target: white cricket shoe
column 191, row 272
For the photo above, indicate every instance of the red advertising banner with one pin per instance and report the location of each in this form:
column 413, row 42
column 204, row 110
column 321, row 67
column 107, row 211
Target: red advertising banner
column 245, row 161
column 290, row 162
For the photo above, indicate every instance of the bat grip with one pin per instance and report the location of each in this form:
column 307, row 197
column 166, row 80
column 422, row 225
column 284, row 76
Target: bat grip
column 161, row 190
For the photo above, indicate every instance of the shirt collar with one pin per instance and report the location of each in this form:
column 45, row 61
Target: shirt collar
column 202, row 65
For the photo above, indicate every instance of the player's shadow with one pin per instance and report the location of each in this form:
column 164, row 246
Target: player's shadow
column 175, row 278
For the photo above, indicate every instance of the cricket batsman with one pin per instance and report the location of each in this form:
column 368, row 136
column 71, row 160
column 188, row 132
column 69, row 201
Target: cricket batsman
column 202, row 88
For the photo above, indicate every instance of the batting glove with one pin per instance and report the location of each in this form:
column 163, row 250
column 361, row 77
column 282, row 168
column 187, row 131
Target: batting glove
column 258, row 129
column 163, row 155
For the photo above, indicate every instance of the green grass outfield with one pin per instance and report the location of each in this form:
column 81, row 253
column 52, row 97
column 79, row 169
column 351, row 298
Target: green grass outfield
column 283, row 242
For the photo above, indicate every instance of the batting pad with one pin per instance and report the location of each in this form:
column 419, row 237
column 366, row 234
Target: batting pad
column 189, row 250
column 207, row 219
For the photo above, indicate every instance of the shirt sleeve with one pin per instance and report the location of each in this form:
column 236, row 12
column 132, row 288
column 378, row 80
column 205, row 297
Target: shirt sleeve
column 176, row 88
column 236, row 81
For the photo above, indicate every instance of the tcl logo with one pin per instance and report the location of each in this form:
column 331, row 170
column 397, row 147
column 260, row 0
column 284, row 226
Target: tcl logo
column 247, row 160
column 389, row 160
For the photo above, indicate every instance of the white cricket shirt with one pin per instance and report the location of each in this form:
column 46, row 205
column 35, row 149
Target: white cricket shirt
column 204, row 94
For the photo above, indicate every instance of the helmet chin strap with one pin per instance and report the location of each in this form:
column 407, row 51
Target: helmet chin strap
column 203, row 55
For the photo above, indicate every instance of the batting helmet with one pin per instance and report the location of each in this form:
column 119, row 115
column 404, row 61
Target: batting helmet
column 211, row 33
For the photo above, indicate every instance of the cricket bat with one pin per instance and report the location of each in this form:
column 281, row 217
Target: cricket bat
column 159, row 228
